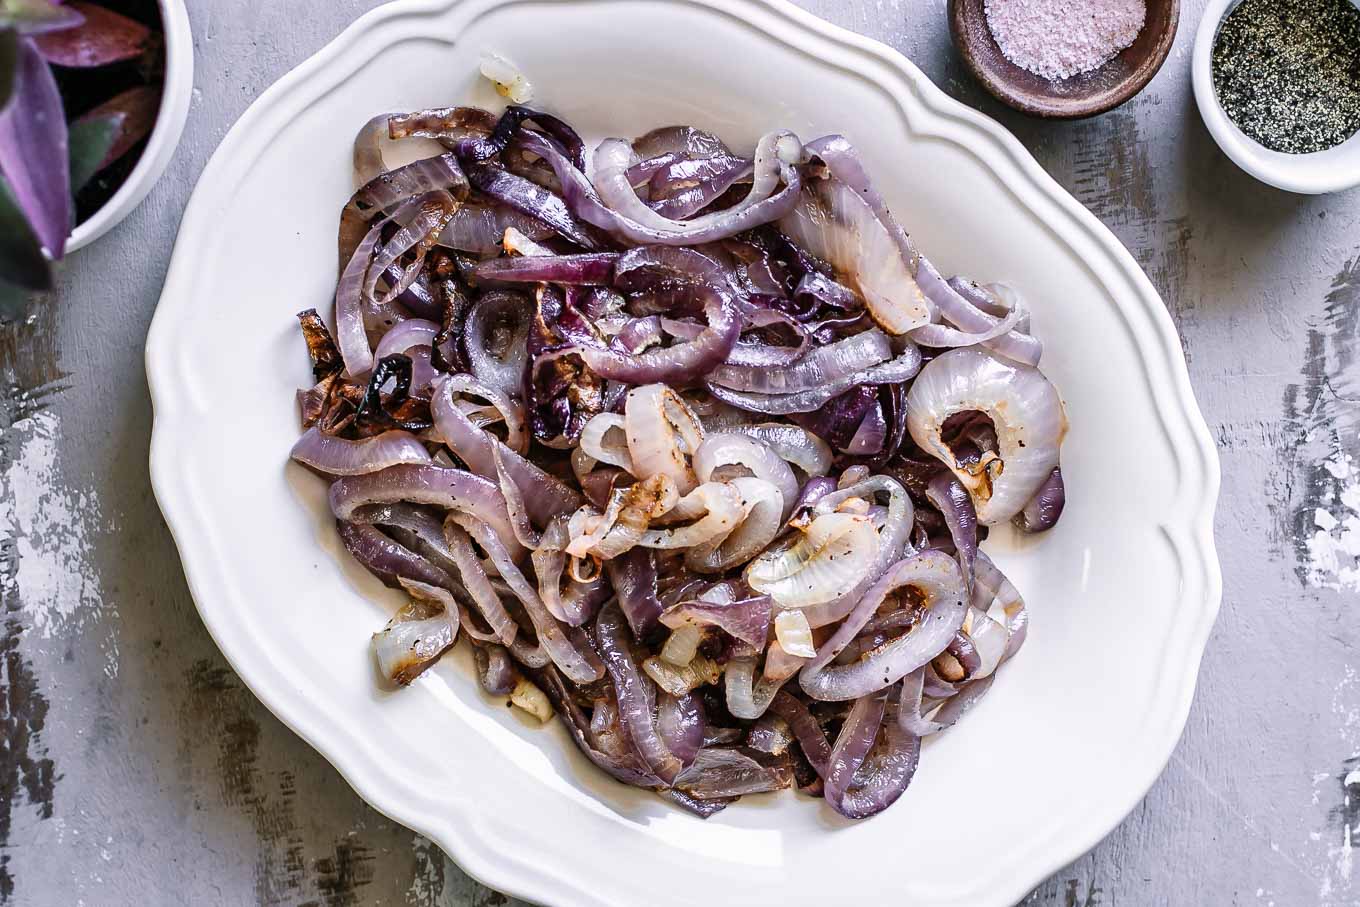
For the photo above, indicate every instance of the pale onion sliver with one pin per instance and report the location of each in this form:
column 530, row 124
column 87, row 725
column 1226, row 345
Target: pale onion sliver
column 832, row 556
column 600, row 441
column 794, row 635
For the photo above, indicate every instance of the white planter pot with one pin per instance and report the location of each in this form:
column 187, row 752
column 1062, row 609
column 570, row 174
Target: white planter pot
column 165, row 135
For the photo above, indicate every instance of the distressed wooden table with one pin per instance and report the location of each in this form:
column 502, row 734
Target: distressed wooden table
column 135, row 768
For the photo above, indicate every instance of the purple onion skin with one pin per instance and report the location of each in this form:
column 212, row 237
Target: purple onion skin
column 704, row 809
column 388, row 560
column 868, row 771
column 533, row 200
column 478, row 148
column 893, row 399
column 814, row 489
column 746, row 619
column 681, row 723
column 586, row 268
column 954, row 502
column 631, row 687
column 633, row 576
column 628, row 771
column 837, row 421
column 720, row 771
column 1044, row 509
column 805, row 728
column 495, row 669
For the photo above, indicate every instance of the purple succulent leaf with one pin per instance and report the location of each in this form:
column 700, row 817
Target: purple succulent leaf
column 37, row 17
column 33, row 150
column 104, row 37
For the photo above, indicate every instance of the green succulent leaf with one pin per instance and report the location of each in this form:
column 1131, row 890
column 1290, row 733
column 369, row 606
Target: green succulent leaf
column 90, row 142
column 37, row 17
column 22, row 262
column 13, row 302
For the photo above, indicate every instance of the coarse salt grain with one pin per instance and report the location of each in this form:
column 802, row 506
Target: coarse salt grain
column 1061, row 38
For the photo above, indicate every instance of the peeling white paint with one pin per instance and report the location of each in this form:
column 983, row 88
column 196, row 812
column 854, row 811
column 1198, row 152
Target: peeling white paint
column 1334, row 863
column 1318, row 778
column 427, row 882
column 1334, row 546
column 52, row 528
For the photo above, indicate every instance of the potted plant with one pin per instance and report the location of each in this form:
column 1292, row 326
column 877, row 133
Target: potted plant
column 93, row 98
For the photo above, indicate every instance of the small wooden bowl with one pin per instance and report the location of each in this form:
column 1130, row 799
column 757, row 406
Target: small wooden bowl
column 1083, row 95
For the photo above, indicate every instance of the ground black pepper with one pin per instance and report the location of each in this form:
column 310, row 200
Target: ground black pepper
column 1287, row 72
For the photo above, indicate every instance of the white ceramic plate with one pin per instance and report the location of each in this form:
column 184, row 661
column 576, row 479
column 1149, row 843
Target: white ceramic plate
column 1123, row 592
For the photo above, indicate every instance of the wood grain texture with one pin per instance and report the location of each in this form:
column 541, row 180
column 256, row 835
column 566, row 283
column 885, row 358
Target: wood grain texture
column 136, row 769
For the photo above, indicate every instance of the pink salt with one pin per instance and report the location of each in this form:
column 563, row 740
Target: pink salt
column 1061, row 38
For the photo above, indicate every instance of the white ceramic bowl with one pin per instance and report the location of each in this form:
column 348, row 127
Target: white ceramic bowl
column 1123, row 592
column 1331, row 170
column 165, row 135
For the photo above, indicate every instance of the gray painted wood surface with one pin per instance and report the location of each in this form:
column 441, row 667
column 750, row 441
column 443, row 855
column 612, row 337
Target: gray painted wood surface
column 135, row 768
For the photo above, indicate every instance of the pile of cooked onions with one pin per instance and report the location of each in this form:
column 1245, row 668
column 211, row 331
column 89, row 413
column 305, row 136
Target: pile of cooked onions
column 694, row 449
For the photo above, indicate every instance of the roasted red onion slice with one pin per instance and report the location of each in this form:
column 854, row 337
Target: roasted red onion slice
column 543, row 495
column 746, row 619
column 683, row 170
column 480, row 228
column 635, row 695
column 720, row 771
column 748, row 698
column 494, row 338
column 934, row 576
column 791, row 443
column 715, row 457
column 1043, row 510
column 824, row 365
column 1024, row 409
column 975, row 308
column 901, row 368
column 495, row 669
column 478, row 585
column 452, row 489
column 574, row 657
column 532, row 199
column 587, row 268
column 447, row 124
column 633, row 577
column 339, row 457
column 892, row 541
column 350, row 334
column 844, row 222
column 386, row 559
column 368, row 156
column 681, row 723
column 414, row 639
column 949, row 496
column 386, row 191
column 866, row 777
column 615, row 206
column 656, row 422
column 683, row 362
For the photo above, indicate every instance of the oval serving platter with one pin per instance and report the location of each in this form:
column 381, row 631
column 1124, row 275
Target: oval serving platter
column 1122, row 594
